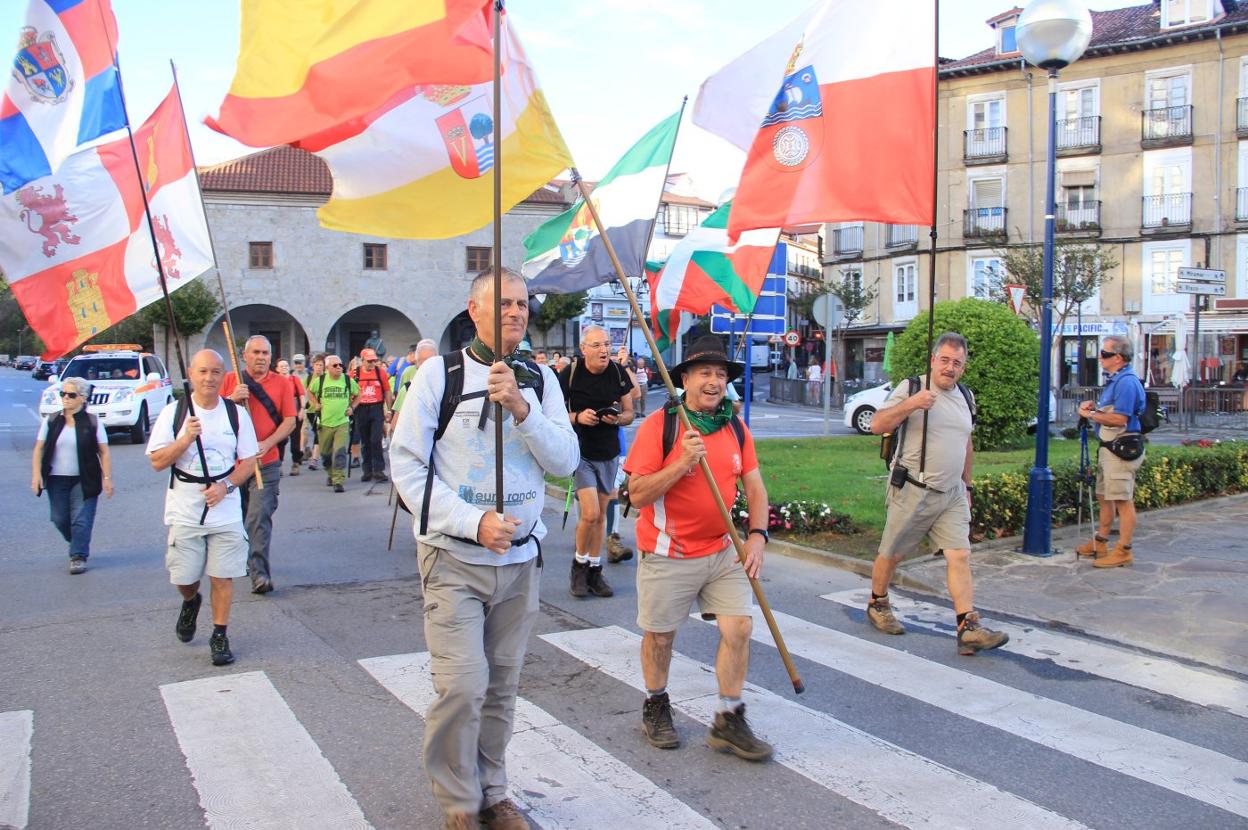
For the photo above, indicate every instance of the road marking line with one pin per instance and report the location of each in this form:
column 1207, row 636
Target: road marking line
column 252, row 762
column 898, row 784
column 16, row 731
column 1167, row 762
column 566, row 780
column 1169, row 677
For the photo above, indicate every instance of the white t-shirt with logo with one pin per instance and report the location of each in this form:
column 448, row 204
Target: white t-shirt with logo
column 185, row 502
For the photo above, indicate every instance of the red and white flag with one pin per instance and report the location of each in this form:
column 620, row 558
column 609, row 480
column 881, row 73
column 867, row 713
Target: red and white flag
column 75, row 246
column 836, row 112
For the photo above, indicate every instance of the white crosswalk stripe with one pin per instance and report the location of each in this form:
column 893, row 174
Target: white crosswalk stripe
column 16, row 734
column 1169, row 677
column 253, row 763
column 564, row 779
column 899, row 785
column 1189, row 770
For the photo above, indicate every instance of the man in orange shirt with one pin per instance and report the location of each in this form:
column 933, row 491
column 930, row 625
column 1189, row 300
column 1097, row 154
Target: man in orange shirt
column 687, row 553
column 270, row 401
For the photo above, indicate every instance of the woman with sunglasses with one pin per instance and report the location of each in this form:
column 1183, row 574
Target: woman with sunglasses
column 71, row 462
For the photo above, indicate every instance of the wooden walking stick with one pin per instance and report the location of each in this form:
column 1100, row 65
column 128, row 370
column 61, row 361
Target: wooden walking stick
column 229, row 344
column 796, row 680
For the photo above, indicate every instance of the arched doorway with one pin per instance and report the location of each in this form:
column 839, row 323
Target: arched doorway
column 353, row 330
column 282, row 329
column 458, row 333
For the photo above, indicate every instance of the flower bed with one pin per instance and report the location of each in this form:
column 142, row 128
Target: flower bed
column 801, row 517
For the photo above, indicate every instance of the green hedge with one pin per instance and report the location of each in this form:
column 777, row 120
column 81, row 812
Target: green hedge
column 1168, row 476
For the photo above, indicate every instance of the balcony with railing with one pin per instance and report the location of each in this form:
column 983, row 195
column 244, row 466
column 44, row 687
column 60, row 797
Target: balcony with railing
column 1241, row 117
column 1079, row 136
column 902, row 236
column 1079, row 220
column 986, row 224
column 847, row 242
column 1166, row 126
column 1241, row 204
column 984, row 146
column 1169, row 212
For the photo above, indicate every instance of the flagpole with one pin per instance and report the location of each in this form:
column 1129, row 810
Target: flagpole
column 160, row 268
column 931, row 271
column 498, row 248
column 226, row 323
column 798, row 686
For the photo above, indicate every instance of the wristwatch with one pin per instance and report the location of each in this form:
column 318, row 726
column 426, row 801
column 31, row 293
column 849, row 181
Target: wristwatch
column 766, row 536
column 229, row 488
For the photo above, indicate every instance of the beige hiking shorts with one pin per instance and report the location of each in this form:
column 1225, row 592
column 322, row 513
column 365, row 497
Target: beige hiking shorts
column 667, row 588
column 914, row 512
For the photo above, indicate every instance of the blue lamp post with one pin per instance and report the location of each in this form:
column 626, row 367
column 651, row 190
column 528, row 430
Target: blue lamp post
column 1052, row 34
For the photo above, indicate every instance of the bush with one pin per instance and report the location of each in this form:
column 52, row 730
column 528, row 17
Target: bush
column 1003, row 367
column 1168, row 476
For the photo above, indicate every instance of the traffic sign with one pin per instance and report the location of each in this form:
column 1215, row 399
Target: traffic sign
column 1201, row 288
column 792, row 338
column 1202, row 275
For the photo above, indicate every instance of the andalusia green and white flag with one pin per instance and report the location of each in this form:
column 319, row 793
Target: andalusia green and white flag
column 566, row 254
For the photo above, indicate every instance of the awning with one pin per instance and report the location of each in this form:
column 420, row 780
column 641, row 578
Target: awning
column 1210, row 323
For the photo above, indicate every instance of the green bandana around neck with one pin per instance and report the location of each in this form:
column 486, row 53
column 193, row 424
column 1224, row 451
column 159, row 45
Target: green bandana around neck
column 526, row 378
column 708, row 422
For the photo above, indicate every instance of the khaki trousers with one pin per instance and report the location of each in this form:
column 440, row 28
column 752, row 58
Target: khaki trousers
column 477, row 624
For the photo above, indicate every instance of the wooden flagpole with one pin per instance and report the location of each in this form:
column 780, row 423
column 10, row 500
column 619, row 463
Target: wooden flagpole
column 498, row 247
column 931, row 271
column 798, row 686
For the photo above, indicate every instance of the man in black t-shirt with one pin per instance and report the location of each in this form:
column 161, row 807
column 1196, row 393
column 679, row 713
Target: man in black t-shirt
column 593, row 385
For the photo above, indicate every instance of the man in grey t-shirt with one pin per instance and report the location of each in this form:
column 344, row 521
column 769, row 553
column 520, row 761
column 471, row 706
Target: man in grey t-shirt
column 933, row 502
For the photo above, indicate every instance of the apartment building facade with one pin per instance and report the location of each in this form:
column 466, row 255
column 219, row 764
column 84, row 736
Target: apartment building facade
column 1152, row 162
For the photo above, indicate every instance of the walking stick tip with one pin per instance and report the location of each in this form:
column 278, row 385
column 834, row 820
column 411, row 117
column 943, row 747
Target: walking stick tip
column 798, row 686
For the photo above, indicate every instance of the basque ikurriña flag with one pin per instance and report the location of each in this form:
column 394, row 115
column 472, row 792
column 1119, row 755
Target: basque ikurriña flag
column 63, row 92
column 75, row 246
column 836, row 112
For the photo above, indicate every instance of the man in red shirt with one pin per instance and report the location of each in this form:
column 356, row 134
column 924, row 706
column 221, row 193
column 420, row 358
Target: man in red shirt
column 686, row 552
column 371, row 414
column 270, row 401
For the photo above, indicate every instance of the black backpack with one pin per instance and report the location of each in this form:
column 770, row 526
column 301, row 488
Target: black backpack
column 179, row 418
column 671, row 430
column 890, row 443
column 1152, row 415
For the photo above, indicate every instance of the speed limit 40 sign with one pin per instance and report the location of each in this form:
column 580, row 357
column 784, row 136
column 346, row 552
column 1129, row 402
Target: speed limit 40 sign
column 792, row 338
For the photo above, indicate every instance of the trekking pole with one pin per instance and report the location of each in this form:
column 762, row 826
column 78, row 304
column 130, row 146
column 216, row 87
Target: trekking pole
column 567, row 506
column 393, row 519
column 794, row 678
column 1083, row 471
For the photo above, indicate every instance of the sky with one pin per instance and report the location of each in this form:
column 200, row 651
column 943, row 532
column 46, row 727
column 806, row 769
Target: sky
column 611, row 69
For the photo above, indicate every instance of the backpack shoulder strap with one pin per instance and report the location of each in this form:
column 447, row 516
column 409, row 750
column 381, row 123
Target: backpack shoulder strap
column 179, row 416
column 539, row 387
column 739, row 429
column 452, row 393
column 571, row 377
column 231, row 412
column 970, row 400
column 671, row 428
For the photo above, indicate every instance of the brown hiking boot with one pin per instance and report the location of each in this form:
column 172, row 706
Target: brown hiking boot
column 580, row 579
column 503, row 816
column 1096, row 547
column 880, row 615
column 460, row 821
column 616, row 552
column 973, row 637
column 731, row 733
column 656, row 722
column 597, row 583
column 1120, row 555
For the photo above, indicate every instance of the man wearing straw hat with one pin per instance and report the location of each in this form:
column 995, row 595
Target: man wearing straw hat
column 687, row 553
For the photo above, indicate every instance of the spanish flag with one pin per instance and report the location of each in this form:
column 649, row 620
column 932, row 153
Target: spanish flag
column 422, row 167
column 307, row 65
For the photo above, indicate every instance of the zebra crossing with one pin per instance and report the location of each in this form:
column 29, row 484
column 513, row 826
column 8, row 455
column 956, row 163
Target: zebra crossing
column 252, row 763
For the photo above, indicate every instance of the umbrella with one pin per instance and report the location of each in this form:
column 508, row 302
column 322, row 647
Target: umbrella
column 888, row 354
column 1180, row 369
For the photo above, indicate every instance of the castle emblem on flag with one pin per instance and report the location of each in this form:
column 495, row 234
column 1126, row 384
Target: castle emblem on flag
column 87, row 303
column 468, row 132
column 52, row 213
column 797, row 100
column 40, row 67
column 170, row 254
column 575, row 242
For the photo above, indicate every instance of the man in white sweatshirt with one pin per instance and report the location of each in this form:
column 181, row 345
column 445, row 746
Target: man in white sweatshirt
column 480, row 571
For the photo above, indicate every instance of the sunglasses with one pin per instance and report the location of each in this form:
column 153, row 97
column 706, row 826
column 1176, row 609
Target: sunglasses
column 333, row 365
column 70, row 395
column 1107, row 355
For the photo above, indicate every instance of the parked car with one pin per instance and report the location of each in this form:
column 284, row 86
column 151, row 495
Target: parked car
column 861, row 408
column 25, row 362
column 129, row 387
column 45, row 369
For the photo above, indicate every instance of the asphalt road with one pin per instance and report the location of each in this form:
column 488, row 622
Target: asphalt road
column 108, row 722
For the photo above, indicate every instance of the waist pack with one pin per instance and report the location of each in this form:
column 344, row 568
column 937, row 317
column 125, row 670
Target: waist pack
column 1128, row 446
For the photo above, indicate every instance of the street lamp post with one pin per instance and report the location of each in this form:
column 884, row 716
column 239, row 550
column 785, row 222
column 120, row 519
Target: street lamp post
column 1052, row 34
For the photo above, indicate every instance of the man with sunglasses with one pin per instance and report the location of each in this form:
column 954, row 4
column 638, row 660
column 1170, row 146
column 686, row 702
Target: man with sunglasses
column 1116, row 412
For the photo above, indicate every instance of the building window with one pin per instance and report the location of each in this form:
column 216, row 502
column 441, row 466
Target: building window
column 1183, row 12
column 260, row 255
column 478, row 259
column 1009, row 41
column 905, row 291
column 854, row 277
column 374, row 256
column 1162, row 261
column 1168, row 89
column 678, row 220
column 986, row 273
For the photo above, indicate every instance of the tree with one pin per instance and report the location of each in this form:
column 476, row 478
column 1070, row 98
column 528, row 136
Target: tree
column 854, row 300
column 1002, row 369
column 194, row 307
column 558, row 308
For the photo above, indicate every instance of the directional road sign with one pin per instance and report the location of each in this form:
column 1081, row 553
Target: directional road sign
column 1201, row 275
column 1201, row 288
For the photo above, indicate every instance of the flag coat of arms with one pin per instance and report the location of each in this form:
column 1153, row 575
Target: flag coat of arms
column 787, row 101
column 421, row 166
column 75, row 245
column 566, row 254
column 63, row 91
column 305, row 67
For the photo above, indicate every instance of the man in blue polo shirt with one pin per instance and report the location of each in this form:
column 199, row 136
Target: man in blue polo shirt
column 1116, row 413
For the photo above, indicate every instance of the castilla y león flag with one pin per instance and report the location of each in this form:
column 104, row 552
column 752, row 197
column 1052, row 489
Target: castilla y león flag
column 75, row 246
column 836, row 112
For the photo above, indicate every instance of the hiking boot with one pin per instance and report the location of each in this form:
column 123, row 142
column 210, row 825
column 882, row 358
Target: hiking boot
column 366, row 477
column 294, row 469
column 185, row 629
column 580, row 579
column 77, row 564
column 355, row 462
column 597, row 583
column 616, row 552
column 219, row 645
column 261, row 585
column 329, row 480
column 312, row 465
column 380, row 477
column 973, row 637
column 880, row 615
column 338, row 488
column 503, row 816
column 1120, row 555
column 461, row 821
column 656, row 722
column 731, row 733
column 1095, row 547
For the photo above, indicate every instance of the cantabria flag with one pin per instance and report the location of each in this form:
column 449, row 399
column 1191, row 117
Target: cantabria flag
column 704, row 269
column 566, row 254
